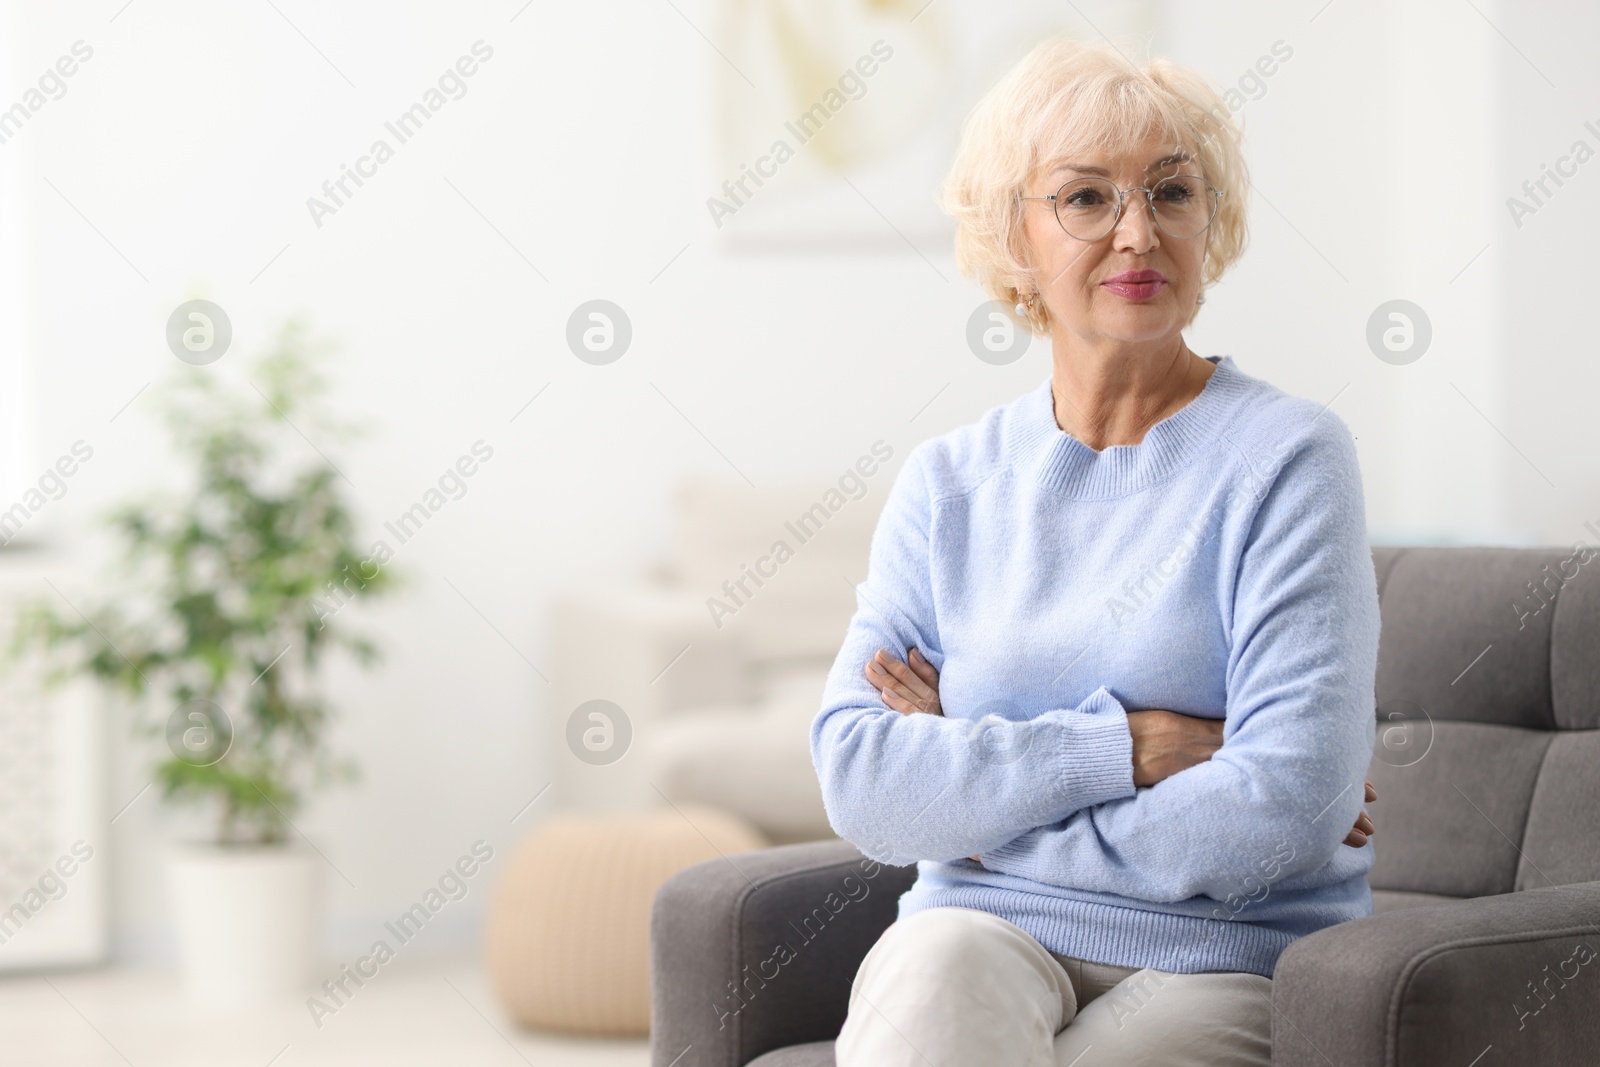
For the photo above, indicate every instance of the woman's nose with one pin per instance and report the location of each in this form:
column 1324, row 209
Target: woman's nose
column 1136, row 229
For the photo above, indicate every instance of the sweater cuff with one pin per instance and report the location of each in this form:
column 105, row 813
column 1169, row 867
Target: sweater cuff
column 1096, row 754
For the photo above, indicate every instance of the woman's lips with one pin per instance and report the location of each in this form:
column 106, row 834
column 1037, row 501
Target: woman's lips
column 1136, row 284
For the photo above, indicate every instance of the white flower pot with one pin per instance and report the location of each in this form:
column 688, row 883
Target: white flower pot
column 249, row 920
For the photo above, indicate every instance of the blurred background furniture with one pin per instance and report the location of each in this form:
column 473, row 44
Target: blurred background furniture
column 719, row 715
column 1486, row 887
column 716, row 755
column 567, row 938
column 54, row 910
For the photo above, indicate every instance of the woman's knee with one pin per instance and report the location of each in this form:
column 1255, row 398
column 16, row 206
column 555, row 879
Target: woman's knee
column 965, row 982
column 959, row 954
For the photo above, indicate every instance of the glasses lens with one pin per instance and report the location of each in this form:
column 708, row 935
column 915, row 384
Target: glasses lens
column 1087, row 208
column 1183, row 205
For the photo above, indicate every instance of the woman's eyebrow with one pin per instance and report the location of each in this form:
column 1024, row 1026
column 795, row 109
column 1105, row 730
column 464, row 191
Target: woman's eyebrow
column 1101, row 172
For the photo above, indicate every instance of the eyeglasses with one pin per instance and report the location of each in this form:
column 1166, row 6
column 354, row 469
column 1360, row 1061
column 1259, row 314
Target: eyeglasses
column 1181, row 205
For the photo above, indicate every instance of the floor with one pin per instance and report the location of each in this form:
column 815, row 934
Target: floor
column 432, row 1012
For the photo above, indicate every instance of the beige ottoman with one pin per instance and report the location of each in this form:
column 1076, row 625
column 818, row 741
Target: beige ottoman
column 568, row 934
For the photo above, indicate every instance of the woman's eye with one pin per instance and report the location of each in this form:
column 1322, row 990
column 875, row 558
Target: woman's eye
column 1174, row 194
column 1085, row 198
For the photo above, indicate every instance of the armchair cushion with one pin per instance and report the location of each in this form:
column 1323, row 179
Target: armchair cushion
column 811, row 1054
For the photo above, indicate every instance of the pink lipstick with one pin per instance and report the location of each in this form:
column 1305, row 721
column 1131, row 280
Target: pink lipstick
column 1136, row 284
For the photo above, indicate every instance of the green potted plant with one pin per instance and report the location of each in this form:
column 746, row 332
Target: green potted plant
column 215, row 635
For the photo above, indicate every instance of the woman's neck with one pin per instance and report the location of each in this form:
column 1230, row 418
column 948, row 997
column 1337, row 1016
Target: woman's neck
column 1112, row 395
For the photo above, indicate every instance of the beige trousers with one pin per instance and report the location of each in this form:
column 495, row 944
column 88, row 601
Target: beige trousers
column 957, row 987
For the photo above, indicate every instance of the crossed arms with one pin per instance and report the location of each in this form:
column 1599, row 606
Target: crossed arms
column 1097, row 797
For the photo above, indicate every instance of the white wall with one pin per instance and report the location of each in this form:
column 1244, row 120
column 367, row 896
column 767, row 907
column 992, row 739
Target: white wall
column 197, row 131
column 1548, row 273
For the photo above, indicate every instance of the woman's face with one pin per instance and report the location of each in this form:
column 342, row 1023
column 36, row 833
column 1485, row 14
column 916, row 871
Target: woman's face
column 1083, row 283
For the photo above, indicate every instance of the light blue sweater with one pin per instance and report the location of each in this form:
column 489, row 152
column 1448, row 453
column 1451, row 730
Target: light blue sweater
column 1220, row 568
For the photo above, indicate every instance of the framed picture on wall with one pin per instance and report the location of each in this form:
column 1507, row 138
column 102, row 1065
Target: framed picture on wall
column 835, row 120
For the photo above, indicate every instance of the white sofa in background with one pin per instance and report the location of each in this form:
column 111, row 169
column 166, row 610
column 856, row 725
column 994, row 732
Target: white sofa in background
column 719, row 714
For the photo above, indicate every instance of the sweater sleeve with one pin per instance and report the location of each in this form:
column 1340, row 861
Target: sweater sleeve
column 904, row 788
column 1299, row 724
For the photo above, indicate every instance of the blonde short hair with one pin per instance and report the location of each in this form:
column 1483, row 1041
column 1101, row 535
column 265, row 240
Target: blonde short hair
column 1065, row 97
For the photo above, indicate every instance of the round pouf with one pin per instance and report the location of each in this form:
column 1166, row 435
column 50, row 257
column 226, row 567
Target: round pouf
column 568, row 935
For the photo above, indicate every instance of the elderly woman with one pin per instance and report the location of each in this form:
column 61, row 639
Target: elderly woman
column 1110, row 681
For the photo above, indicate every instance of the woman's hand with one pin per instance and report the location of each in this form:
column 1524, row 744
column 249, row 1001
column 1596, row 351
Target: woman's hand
column 1363, row 828
column 907, row 690
column 1164, row 742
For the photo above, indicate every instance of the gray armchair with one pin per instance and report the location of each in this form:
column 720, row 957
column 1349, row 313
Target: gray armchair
column 1485, row 943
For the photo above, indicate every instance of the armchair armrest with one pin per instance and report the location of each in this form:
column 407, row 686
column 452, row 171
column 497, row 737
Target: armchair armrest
column 1441, row 984
column 757, row 951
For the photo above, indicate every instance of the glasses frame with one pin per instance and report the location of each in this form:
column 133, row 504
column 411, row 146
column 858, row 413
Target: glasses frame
column 1122, row 198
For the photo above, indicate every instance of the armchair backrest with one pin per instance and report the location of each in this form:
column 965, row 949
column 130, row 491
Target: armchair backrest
column 1487, row 761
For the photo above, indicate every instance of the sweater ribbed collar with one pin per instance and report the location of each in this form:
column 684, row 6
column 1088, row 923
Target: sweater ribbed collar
column 1055, row 459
